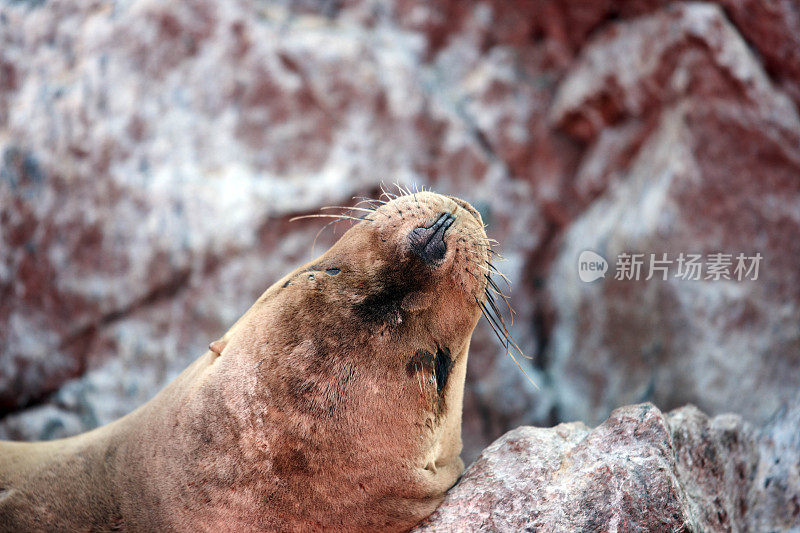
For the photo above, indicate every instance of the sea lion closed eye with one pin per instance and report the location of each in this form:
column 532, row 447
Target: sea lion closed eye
column 334, row 402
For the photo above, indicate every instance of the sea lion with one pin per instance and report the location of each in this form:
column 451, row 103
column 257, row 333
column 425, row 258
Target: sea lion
column 334, row 402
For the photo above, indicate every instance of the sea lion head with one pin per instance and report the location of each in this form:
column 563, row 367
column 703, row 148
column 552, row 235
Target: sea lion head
column 351, row 368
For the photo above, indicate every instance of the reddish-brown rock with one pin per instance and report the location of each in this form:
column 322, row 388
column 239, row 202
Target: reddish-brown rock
column 713, row 166
column 640, row 470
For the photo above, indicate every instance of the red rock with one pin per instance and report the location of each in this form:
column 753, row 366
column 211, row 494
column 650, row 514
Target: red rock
column 640, row 470
column 711, row 143
column 773, row 29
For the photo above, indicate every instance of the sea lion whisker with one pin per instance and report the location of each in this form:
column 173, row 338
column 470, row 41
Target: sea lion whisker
column 368, row 199
column 314, row 242
column 505, row 278
column 509, row 342
column 322, row 215
column 405, row 191
column 481, row 260
column 516, row 362
column 491, row 283
column 503, row 335
column 511, row 311
column 479, row 236
column 402, row 189
column 473, row 274
column 523, row 370
column 484, row 268
column 501, row 332
column 348, row 208
column 365, row 200
column 338, row 218
column 505, row 300
column 504, row 297
column 502, row 325
column 493, row 304
column 485, row 245
column 387, row 193
column 489, row 321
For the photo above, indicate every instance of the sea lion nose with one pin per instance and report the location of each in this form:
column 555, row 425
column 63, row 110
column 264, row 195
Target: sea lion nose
column 428, row 242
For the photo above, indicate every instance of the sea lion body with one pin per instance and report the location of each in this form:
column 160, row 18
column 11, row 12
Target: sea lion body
column 334, row 402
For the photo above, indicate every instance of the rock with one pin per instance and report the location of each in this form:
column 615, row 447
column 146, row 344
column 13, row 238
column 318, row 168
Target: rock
column 640, row 470
column 683, row 110
column 773, row 28
column 646, row 65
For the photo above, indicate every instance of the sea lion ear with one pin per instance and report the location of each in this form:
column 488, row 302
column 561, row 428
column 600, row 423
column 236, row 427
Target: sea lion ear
column 217, row 346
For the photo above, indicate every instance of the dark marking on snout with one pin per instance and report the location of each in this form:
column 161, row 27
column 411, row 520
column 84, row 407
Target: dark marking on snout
column 385, row 289
column 384, row 304
column 441, row 364
column 428, row 241
column 444, row 364
column 422, row 359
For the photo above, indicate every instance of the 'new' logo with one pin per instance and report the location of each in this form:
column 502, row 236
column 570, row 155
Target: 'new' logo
column 591, row 266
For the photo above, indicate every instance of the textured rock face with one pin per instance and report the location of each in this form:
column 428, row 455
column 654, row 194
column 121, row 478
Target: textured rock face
column 152, row 153
column 640, row 470
column 690, row 187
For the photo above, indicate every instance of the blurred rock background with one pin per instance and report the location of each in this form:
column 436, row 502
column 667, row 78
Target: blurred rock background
column 152, row 154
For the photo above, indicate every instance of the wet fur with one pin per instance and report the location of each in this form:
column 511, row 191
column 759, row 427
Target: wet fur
column 335, row 402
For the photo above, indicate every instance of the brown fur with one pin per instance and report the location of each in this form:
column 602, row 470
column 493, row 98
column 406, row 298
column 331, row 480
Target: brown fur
column 318, row 409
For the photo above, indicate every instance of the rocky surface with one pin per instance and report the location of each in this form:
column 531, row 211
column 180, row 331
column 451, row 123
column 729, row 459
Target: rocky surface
column 152, row 154
column 691, row 187
column 640, row 470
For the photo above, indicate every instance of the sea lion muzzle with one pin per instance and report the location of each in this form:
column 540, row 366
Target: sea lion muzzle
column 428, row 242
